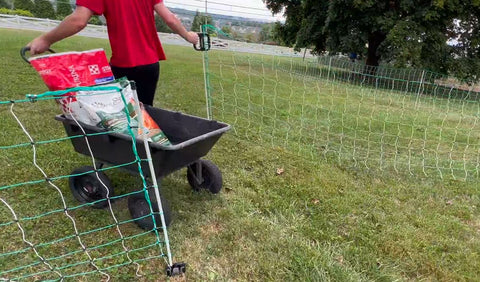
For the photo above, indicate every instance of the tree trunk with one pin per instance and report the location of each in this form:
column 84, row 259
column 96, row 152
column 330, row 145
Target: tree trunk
column 373, row 58
column 374, row 41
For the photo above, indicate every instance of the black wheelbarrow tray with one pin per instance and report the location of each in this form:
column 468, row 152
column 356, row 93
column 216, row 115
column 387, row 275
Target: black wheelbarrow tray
column 191, row 137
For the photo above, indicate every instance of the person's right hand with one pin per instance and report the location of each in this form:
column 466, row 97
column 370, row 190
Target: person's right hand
column 38, row 45
column 192, row 37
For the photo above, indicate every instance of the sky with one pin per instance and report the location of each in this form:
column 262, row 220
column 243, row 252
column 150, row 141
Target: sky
column 244, row 8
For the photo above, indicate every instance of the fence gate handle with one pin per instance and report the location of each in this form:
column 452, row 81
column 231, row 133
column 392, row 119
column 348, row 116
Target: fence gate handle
column 203, row 42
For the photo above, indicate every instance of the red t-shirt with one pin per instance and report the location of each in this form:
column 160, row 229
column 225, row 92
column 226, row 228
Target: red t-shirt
column 131, row 30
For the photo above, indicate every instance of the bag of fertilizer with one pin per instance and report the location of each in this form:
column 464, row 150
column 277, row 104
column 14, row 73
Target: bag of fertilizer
column 61, row 71
column 106, row 109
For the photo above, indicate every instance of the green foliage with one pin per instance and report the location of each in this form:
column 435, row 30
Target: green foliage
column 43, row 9
column 17, row 12
column 161, row 25
column 199, row 20
column 226, row 29
column 26, row 5
column 63, row 9
column 5, row 4
column 235, row 34
column 95, row 20
column 402, row 32
column 250, row 37
column 467, row 48
column 267, row 33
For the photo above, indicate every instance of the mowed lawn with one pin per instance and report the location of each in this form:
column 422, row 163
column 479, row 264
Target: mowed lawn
column 316, row 221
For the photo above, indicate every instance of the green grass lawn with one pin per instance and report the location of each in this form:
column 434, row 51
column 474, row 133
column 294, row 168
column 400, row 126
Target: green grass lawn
column 318, row 221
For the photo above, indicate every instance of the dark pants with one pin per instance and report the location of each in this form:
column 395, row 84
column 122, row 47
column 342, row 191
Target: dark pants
column 145, row 77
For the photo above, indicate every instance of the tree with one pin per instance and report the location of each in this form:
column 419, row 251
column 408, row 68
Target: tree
column 63, row 8
column 251, row 37
column 199, row 20
column 43, row 9
column 161, row 25
column 402, row 32
column 95, row 20
column 26, row 5
column 4, row 4
column 266, row 34
column 467, row 48
column 227, row 29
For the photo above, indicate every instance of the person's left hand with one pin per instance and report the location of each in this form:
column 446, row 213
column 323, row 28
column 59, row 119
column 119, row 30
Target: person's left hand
column 192, row 37
column 38, row 45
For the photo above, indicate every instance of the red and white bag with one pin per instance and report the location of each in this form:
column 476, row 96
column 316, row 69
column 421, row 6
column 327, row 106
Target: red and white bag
column 61, row 71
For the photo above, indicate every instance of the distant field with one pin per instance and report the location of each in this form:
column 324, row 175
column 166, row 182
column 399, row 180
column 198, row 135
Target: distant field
column 326, row 218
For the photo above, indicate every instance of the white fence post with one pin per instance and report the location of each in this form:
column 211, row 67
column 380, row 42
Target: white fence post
column 420, row 87
column 329, row 68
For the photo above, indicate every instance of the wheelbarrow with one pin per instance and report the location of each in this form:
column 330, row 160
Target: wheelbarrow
column 191, row 137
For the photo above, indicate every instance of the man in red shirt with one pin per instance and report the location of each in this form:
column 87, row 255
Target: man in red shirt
column 136, row 49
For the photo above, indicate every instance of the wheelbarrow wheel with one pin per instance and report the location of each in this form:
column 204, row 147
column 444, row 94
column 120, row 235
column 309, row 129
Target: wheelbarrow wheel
column 141, row 213
column 90, row 187
column 210, row 178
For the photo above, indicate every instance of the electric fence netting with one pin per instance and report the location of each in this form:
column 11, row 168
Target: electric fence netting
column 37, row 159
column 404, row 121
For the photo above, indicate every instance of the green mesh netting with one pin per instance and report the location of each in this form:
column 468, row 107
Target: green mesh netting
column 46, row 233
column 400, row 120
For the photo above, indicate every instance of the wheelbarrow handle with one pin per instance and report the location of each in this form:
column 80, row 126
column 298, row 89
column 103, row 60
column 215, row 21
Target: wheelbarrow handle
column 26, row 49
column 203, row 42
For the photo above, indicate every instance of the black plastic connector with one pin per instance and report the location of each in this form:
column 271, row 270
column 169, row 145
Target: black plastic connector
column 176, row 269
column 204, row 42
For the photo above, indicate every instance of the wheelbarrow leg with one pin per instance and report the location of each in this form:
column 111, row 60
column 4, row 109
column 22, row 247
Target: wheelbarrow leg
column 203, row 174
column 197, row 173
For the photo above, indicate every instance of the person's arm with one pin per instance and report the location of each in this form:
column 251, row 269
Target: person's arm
column 71, row 25
column 175, row 24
